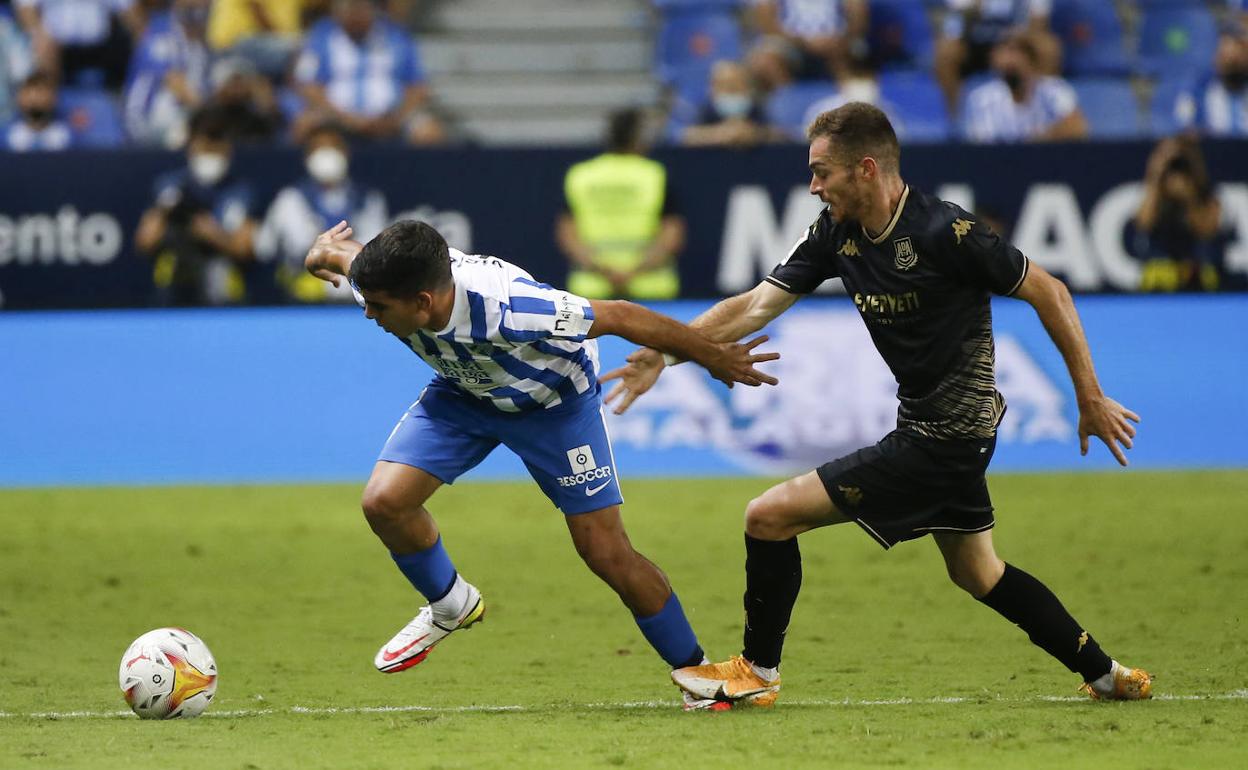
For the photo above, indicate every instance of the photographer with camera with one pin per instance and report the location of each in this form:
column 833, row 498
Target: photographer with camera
column 1176, row 226
column 201, row 227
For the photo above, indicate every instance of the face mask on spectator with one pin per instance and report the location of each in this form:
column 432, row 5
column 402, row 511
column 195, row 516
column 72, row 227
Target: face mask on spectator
column 208, row 168
column 731, row 105
column 327, row 165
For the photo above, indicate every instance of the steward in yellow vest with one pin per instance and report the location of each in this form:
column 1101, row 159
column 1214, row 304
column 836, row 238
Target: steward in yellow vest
column 619, row 231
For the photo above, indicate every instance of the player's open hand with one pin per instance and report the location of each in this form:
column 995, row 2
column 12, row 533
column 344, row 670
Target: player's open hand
column 1109, row 421
column 331, row 253
column 636, row 377
column 736, row 360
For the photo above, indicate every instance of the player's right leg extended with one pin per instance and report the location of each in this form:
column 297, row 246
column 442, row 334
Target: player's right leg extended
column 394, row 506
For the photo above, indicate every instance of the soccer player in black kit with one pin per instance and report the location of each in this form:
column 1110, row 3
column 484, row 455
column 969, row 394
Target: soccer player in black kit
column 920, row 271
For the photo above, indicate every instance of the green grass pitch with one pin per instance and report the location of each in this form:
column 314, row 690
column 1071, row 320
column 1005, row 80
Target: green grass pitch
column 887, row 664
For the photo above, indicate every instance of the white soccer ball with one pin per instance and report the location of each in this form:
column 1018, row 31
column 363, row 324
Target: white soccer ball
column 168, row 673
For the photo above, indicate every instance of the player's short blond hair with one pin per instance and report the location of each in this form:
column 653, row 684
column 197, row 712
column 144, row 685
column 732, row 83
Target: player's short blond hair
column 857, row 130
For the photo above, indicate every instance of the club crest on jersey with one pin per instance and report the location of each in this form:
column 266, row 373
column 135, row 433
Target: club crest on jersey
column 849, row 249
column 906, row 258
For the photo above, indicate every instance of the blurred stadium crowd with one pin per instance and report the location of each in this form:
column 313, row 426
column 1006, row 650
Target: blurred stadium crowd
column 107, row 73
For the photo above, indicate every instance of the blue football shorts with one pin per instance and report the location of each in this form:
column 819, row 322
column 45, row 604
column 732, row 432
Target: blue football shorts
column 566, row 448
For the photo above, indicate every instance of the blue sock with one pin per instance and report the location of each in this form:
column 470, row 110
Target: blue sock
column 430, row 570
column 670, row 634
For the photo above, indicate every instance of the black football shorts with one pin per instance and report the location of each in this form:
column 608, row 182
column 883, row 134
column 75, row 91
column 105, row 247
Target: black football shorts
column 907, row 486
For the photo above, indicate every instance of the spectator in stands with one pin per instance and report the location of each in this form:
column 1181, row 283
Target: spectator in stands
column 363, row 71
column 200, row 229
column 169, row 77
column 15, row 64
column 806, row 39
column 1218, row 106
column 732, row 116
column 246, row 100
column 1176, row 226
column 324, row 197
column 1020, row 104
column 974, row 27
column 621, row 231
column 71, row 37
column 265, row 33
column 37, row 128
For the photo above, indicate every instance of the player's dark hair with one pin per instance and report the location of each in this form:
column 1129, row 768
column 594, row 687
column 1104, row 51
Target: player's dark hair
column 857, row 130
column 624, row 130
column 408, row 257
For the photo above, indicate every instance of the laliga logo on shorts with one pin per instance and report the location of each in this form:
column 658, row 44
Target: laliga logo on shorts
column 584, row 468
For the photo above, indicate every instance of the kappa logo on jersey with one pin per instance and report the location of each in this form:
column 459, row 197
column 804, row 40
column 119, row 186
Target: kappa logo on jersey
column 849, row 249
column 906, row 257
column 961, row 227
column 584, row 469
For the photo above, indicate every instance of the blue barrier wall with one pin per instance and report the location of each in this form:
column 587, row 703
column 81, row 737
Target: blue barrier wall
column 121, row 397
column 1068, row 207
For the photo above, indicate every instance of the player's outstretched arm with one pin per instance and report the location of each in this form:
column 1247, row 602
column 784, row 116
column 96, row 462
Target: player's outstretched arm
column 330, row 256
column 1099, row 415
column 726, row 321
column 728, row 362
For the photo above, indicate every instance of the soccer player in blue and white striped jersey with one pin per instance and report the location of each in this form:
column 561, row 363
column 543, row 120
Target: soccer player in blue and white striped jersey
column 516, row 365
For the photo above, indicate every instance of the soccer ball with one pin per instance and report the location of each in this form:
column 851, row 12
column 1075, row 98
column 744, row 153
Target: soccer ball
column 168, row 673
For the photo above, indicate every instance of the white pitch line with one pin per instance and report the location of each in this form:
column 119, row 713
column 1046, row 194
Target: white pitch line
column 664, row 705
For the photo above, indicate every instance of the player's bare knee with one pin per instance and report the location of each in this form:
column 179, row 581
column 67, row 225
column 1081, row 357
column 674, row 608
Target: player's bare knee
column 607, row 560
column 381, row 505
column 764, row 519
column 974, row 578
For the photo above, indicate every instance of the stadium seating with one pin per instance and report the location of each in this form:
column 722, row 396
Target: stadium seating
column 1111, row 107
column 94, row 117
column 900, row 34
column 787, row 107
column 1176, row 39
column 689, row 43
column 1092, row 37
column 915, row 101
column 1162, row 118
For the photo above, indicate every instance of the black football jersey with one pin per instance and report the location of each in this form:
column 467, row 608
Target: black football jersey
column 922, row 288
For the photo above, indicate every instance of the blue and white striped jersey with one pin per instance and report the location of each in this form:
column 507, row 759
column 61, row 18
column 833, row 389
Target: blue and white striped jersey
column 992, row 115
column 364, row 78
column 510, row 340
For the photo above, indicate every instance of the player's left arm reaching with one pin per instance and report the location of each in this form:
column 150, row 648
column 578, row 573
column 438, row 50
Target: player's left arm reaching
column 1099, row 415
column 727, row 362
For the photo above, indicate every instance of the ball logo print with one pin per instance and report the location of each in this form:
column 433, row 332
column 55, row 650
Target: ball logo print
column 582, row 459
column 168, row 673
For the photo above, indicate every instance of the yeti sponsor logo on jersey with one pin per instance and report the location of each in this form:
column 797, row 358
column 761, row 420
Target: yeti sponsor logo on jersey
column 906, row 258
column 584, row 468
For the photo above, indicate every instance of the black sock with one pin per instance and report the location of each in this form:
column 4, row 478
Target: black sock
column 773, row 576
column 1030, row 605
